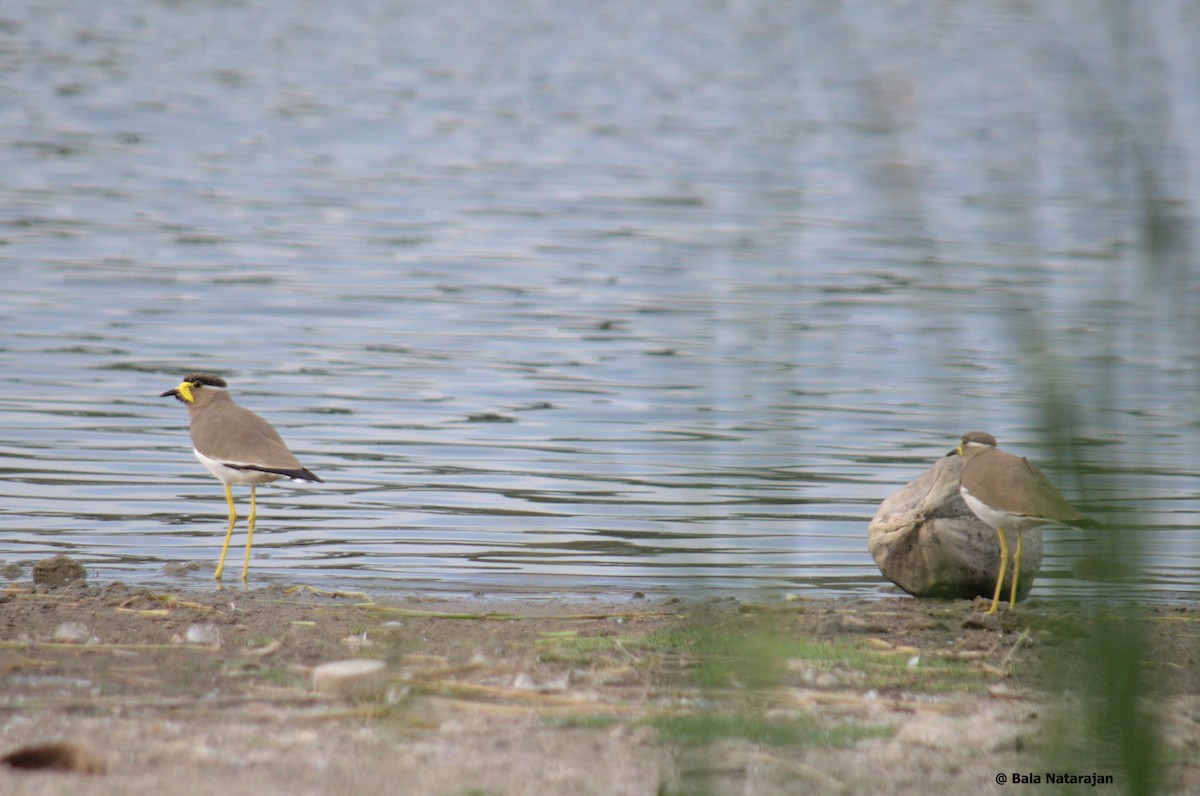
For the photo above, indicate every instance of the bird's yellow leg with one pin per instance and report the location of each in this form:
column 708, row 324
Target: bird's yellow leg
column 1012, row 595
column 228, row 532
column 249, row 532
column 1003, row 566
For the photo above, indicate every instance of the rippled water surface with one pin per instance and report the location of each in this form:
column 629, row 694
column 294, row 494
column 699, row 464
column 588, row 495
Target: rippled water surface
column 591, row 297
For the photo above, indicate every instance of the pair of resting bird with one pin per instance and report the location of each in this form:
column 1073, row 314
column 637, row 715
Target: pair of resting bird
column 1007, row 492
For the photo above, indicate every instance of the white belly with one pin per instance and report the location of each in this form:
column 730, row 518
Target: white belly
column 232, row 475
column 1003, row 520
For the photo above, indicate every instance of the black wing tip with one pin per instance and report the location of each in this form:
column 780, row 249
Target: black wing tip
column 301, row 474
column 1086, row 522
column 307, row 475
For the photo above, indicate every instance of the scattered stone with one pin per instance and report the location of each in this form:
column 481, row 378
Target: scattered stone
column 856, row 624
column 58, row 571
column 55, row 757
column 270, row 648
column 11, row 571
column 177, row 569
column 71, row 633
column 927, row 541
column 205, row 635
column 359, row 679
column 357, row 642
column 977, row 620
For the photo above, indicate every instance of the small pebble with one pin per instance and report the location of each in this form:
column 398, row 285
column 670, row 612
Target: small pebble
column 360, row 679
column 71, row 633
column 55, row 757
column 177, row 569
column 357, row 642
column 203, row 634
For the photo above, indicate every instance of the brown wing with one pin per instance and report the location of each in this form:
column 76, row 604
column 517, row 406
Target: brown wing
column 1012, row 484
column 1044, row 499
column 238, row 438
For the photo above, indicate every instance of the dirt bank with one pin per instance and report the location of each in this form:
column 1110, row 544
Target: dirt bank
column 212, row 692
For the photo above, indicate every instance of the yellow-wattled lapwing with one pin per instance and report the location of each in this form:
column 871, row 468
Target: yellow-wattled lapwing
column 236, row 445
column 1010, row 494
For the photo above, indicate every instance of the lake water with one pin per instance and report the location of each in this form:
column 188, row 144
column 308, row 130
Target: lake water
column 593, row 297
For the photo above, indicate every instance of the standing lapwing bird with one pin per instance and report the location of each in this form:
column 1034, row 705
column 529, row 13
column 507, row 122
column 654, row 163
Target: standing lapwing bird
column 236, row 445
column 1010, row 494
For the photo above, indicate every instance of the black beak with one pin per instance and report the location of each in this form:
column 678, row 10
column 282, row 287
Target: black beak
column 170, row 392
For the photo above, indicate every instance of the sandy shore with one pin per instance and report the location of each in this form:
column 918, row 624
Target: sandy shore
column 213, row 692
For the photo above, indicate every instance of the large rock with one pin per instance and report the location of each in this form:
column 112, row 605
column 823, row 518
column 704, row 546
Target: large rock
column 926, row 541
